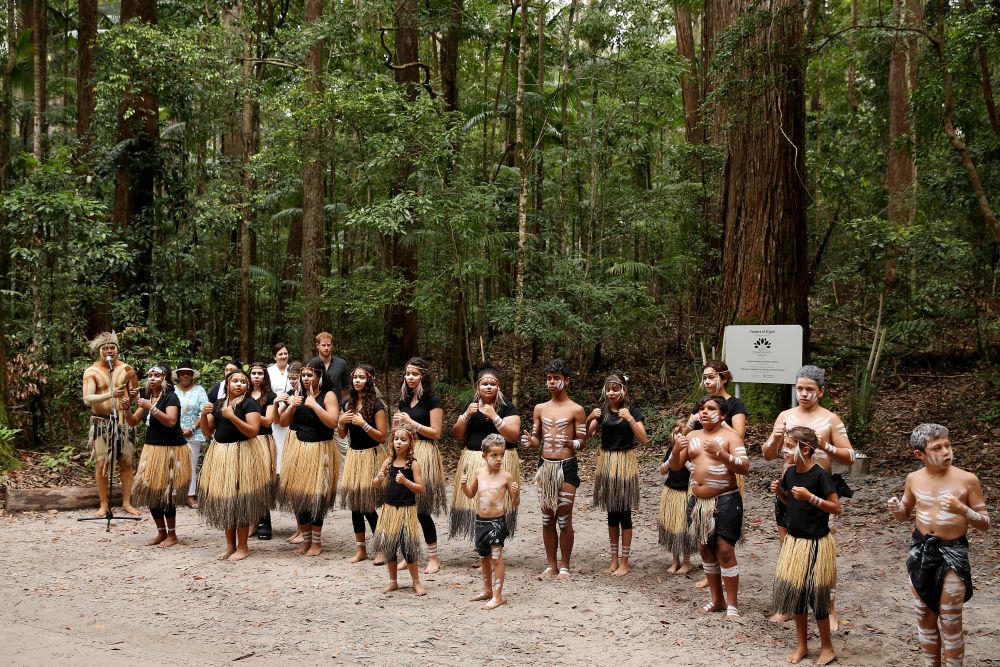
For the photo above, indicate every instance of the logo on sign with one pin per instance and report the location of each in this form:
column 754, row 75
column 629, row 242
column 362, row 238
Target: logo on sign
column 762, row 344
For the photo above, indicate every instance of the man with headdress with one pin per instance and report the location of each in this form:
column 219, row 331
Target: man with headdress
column 106, row 379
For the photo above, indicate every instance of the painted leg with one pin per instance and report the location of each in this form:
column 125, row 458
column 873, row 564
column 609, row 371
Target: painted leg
column 730, row 576
column 550, row 538
column 564, row 521
column 499, row 571
column 927, row 632
column 952, row 632
column 487, row 592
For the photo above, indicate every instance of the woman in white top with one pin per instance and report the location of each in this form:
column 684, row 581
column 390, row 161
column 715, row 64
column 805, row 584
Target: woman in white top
column 278, row 373
column 193, row 398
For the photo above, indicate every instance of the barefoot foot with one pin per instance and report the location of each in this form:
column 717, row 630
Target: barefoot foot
column 481, row 597
column 674, row 568
column 433, row 565
column 564, row 573
column 703, row 583
column 392, row 586
column 494, row 603
column 826, row 656
column 614, row 566
column 226, row 554
column 780, row 618
column 160, row 536
column 547, row 573
column 170, row 541
column 101, row 511
column 379, row 559
column 834, row 623
column 296, row 538
column 685, row 568
column 797, row 655
column 419, row 589
column 239, row 554
column 303, row 548
column 128, row 509
column 359, row 556
column 623, row 569
column 315, row 549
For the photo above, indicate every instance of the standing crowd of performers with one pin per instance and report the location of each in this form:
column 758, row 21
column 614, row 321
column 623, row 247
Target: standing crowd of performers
column 280, row 433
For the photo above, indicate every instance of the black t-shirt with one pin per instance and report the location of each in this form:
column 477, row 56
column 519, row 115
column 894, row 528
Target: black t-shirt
column 157, row 433
column 360, row 439
column 224, row 429
column 803, row 519
column 396, row 494
column 479, row 426
column 679, row 480
column 734, row 406
column 616, row 433
column 421, row 412
column 339, row 375
column 307, row 425
column 264, row 402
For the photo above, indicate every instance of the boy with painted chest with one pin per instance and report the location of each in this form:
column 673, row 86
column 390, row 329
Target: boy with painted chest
column 947, row 500
column 491, row 485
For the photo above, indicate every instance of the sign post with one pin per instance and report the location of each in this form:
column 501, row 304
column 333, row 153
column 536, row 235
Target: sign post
column 764, row 353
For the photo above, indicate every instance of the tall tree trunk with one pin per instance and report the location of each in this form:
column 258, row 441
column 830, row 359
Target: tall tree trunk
column 690, row 90
column 852, row 97
column 449, row 55
column 85, row 102
column 565, row 238
column 249, row 142
column 984, row 74
column 764, row 260
column 539, row 141
column 314, row 267
column 901, row 168
column 6, row 96
column 403, row 334
column 522, row 205
column 133, row 216
column 40, row 39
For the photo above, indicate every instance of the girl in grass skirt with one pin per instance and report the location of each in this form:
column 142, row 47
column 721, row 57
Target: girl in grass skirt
column 364, row 421
column 261, row 391
column 164, row 470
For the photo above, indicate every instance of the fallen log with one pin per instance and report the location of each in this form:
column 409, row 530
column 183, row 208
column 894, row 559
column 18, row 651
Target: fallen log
column 58, row 498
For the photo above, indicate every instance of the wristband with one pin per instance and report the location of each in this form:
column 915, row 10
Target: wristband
column 463, row 417
column 366, row 427
column 577, row 445
column 973, row 515
column 815, row 500
column 829, row 448
column 498, row 422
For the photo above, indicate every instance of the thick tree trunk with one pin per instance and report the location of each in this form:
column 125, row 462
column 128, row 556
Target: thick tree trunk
column 313, row 239
column 764, row 262
column 85, row 101
column 565, row 238
column 138, row 122
column 522, row 205
column 690, row 90
column 40, row 38
column 449, row 56
column 403, row 333
column 250, row 120
column 6, row 98
column 901, row 168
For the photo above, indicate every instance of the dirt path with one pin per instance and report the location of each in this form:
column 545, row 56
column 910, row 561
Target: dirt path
column 73, row 593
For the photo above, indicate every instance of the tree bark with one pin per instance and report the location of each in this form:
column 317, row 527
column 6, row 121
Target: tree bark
column 449, row 55
column 901, row 168
column 313, row 237
column 85, row 102
column 565, row 239
column 522, row 205
column 984, row 73
column 40, row 61
column 764, row 263
column 6, row 98
column 690, row 90
column 250, row 119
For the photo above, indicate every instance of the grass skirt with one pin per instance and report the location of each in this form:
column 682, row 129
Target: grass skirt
column 434, row 499
column 673, row 520
column 234, row 487
column 549, row 479
column 163, row 475
column 100, row 436
column 269, row 444
column 702, row 522
column 356, row 491
column 397, row 533
column 308, row 476
column 463, row 509
column 512, row 464
column 616, row 483
column 805, row 575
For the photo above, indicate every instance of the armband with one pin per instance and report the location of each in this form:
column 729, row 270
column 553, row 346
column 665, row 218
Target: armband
column 498, row 422
column 830, row 449
column 577, row 445
column 973, row 515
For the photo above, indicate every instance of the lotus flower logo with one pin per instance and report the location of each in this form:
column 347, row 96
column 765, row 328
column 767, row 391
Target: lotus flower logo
column 762, row 343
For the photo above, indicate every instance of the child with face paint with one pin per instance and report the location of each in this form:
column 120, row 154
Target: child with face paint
column 807, row 563
column 559, row 428
column 164, row 470
column 488, row 413
column 715, row 377
column 948, row 501
column 616, row 482
column 715, row 508
column 492, row 487
column 834, row 444
column 234, row 488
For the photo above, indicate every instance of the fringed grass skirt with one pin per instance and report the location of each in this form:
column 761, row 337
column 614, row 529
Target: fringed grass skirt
column 356, row 491
column 805, row 576
column 463, row 509
column 672, row 520
column 550, row 479
column 308, row 476
column 162, row 477
column 398, row 534
column 102, row 434
column 434, row 499
column 234, row 487
column 512, row 464
column 267, row 441
column 616, row 483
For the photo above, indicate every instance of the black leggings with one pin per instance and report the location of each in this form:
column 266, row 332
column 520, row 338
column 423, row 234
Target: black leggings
column 427, row 525
column 168, row 512
column 621, row 520
column 307, row 519
column 358, row 520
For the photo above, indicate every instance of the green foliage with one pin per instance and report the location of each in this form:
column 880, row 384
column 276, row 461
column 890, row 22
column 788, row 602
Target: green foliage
column 59, row 460
column 8, row 457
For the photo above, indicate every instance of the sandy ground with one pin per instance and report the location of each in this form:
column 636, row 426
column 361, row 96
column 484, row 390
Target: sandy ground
column 75, row 593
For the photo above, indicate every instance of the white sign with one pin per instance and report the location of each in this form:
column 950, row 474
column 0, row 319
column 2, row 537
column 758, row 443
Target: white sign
column 764, row 353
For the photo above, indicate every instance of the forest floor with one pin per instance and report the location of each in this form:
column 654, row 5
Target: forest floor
column 75, row 592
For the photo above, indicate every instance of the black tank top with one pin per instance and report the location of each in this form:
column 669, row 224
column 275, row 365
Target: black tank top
column 307, row 425
column 396, row 494
column 678, row 480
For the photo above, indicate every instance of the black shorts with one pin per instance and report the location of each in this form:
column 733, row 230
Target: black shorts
column 780, row 511
column 570, row 469
column 728, row 518
column 489, row 532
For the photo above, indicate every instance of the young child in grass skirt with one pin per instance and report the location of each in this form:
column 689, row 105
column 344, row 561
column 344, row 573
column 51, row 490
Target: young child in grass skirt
column 234, row 487
column 807, row 564
column 616, row 483
column 311, row 461
column 262, row 393
column 364, row 422
column 164, row 470
column 421, row 410
column 672, row 519
column 397, row 529
column 489, row 412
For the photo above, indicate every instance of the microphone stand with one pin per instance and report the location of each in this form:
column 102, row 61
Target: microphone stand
column 115, row 446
